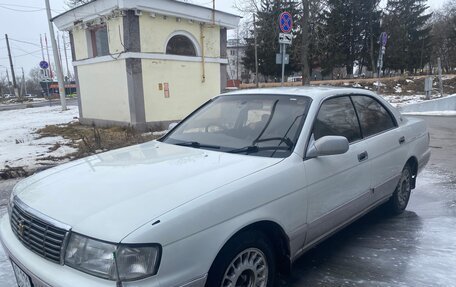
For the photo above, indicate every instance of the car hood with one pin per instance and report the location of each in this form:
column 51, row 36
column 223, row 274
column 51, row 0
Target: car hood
column 109, row 195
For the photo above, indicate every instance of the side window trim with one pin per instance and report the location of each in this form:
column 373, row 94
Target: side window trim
column 393, row 118
column 357, row 117
column 319, row 108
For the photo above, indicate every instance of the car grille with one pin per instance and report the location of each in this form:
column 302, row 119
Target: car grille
column 37, row 233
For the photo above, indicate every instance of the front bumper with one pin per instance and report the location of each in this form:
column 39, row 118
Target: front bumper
column 48, row 274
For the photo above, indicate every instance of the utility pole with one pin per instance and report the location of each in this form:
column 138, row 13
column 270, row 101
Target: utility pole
column 59, row 51
column 66, row 57
column 16, row 92
column 51, row 75
column 56, row 58
column 7, row 77
column 42, row 50
column 23, row 81
column 256, row 51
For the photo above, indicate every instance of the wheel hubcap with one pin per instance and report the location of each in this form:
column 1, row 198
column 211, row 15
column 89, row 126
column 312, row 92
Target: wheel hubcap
column 404, row 189
column 248, row 269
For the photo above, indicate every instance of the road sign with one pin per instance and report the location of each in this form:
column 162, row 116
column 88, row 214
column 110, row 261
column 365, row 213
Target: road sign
column 279, row 59
column 285, row 22
column 285, row 38
column 44, row 65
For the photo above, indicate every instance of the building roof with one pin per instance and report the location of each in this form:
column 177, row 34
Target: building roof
column 97, row 8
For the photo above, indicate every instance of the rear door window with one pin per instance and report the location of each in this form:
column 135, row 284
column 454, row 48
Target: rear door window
column 374, row 118
column 337, row 117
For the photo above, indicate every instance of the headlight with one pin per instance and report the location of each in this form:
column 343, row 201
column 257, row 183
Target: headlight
column 112, row 261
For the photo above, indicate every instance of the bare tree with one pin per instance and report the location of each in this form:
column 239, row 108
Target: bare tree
column 75, row 3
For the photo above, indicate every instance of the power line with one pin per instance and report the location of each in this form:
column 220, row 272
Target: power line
column 25, row 42
column 19, row 10
column 23, row 55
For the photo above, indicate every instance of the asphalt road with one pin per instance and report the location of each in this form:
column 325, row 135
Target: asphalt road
column 417, row 248
column 69, row 102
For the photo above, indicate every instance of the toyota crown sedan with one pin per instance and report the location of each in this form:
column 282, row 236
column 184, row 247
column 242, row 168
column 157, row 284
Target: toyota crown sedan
column 231, row 196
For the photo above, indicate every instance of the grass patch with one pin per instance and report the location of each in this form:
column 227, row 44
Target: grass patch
column 89, row 140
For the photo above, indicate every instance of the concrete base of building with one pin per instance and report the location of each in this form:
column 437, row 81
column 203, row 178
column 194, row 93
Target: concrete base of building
column 143, row 127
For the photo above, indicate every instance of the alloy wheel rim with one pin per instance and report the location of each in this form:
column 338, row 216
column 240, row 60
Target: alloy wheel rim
column 248, row 269
column 404, row 189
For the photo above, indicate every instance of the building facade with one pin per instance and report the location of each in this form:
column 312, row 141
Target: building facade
column 145, row 63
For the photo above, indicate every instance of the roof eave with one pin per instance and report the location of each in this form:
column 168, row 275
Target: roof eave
column 95, row 9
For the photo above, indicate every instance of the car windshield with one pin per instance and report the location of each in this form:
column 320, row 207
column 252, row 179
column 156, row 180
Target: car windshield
column 258, row 125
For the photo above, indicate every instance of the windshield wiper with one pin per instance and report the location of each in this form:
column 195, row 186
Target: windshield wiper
column 247, row 149
column 197, row 145
column 285, row 140
column 255, row 149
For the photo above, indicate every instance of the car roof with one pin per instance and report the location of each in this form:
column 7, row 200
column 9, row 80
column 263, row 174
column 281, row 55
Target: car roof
column 313, row 92
column 317, row 93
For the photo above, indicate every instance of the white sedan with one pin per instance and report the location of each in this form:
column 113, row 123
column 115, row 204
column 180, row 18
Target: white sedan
column 232, row 195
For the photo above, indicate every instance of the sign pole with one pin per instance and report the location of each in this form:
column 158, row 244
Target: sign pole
column 283, row 63
column 285, row 38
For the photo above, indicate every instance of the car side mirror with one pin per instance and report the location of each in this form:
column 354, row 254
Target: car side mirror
column 328, row 145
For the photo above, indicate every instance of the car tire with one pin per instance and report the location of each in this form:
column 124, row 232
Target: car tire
column 246, row 260
column 398, row 202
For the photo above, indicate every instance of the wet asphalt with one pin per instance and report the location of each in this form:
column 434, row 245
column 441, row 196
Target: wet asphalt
column 416, row 248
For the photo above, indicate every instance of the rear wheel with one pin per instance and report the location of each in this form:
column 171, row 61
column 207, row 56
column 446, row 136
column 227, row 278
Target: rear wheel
column 398, row 202
column 246, row 261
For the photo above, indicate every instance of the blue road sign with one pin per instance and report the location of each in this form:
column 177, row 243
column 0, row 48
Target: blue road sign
column 286, row 22
column 44, row 65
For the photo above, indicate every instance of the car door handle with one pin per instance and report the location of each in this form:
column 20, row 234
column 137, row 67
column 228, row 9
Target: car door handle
column 363, row 156
column 401, row 140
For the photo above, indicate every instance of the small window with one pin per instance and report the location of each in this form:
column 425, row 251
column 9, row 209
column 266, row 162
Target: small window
column 374, row 118
column 100, row 43
column 337, row 117
column 180, row 45
column 232, row 52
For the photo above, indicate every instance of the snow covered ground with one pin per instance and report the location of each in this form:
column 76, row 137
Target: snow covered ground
column 432, row 113
column 20, row 146
column 398, row 101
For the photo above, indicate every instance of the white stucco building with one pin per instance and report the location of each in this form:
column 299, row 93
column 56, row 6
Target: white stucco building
column 146, row 63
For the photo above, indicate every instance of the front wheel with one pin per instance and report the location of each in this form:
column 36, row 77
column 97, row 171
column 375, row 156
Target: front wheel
column 246, row 261
column 398, row 202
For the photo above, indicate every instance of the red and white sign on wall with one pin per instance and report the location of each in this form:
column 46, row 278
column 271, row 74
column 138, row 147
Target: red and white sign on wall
column 166, row 89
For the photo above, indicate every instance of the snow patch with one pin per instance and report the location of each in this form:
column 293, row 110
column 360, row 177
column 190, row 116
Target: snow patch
column 20, row 146
column 398, row 89
column 433, row 113
column 398, row 101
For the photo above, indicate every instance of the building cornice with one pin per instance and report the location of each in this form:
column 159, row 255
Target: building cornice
column 101, row 8
column 149, row 56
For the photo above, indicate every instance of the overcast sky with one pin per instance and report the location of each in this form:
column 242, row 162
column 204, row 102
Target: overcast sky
column 25, row 20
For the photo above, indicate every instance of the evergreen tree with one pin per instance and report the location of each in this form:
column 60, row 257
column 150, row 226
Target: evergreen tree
column 409, row 35
column 351, row 27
